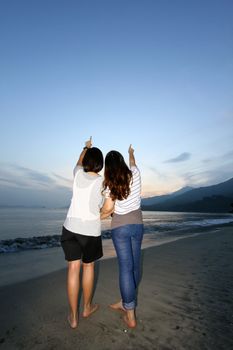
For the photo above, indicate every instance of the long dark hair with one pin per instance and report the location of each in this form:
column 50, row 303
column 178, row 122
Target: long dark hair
column 117, row 176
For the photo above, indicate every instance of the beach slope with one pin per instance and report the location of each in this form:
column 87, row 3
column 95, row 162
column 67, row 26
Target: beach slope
column 184, row 302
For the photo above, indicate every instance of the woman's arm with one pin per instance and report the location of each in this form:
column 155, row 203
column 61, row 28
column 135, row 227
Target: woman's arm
column 88, row 144
column 131, row 157
column 107, row 209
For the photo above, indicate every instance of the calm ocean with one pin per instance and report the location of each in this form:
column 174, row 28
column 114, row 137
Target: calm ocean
column 30, row 238
column 37, row 228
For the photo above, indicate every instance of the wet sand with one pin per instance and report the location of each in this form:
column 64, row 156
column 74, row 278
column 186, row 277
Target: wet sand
column 184, row 302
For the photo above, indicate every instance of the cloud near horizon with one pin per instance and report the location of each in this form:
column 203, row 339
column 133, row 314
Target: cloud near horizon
column 181, row 158
column 14, row 175
column 28, row 187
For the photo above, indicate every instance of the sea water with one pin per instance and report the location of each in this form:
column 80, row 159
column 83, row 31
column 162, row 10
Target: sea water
column 40, row 228
column 30, row 237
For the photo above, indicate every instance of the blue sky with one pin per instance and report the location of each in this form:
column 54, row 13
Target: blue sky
column 157, row 74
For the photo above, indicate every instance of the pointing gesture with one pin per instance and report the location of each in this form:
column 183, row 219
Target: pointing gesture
column 131, row 150
column 131, row 156
column 88, row 143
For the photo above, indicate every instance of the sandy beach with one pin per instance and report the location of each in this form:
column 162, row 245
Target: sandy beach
column 184, row 302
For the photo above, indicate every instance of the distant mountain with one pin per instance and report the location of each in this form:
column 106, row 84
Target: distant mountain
column 216, row 198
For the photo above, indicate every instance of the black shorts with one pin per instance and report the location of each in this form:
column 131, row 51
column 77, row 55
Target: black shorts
column 76, row 246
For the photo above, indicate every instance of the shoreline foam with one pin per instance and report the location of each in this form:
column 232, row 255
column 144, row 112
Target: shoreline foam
column 19, row 244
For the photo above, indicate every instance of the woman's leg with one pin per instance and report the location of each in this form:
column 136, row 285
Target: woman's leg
column 127, row 242
column 136, row 241
column 87, row 285
column 122, row 243
column 73, row 291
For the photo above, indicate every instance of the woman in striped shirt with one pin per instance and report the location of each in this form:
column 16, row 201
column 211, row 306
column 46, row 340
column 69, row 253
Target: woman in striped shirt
column 122, row 186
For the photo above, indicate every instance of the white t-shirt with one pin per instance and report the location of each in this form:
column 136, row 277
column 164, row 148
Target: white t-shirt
column 133, row 201
column 83, row 216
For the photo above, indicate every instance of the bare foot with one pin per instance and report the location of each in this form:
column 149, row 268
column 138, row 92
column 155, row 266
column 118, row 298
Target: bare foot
column 117, row 307
column 88, row 311
column 72, row 321
column 131, row 323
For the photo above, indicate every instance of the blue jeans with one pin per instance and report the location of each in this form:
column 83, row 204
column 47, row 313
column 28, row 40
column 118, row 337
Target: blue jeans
column 127, row 241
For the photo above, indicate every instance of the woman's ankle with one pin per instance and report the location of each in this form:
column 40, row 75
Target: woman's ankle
column 73, row 315
column 130, row 320
column 131, row 314
column 72, row 319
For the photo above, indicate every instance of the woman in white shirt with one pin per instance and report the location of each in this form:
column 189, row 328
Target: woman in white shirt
column 122, row 186
column 81, row 234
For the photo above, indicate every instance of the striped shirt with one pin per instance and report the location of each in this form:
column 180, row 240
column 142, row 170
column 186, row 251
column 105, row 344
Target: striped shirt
column 133, row 201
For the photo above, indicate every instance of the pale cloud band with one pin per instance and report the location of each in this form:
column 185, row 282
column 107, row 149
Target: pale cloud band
column 181, row 158
column 14, row 175
column 28, row 187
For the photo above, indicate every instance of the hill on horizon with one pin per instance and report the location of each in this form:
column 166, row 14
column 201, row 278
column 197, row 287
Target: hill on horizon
column 215, row 198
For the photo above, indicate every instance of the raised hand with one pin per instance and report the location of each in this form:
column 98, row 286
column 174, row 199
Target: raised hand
column 131, row 156
column 88, row 143
column 131, row 150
